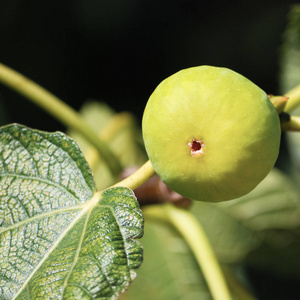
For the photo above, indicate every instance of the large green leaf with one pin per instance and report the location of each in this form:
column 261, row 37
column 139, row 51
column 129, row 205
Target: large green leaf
column 59, row 239
column 263, row 226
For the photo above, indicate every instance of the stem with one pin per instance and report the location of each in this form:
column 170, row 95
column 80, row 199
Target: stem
column 192, row 231
column 236, row 287
column 279, row 103
column 293, row 124
column 58, row 109
column 139, row 177
column 294, row 99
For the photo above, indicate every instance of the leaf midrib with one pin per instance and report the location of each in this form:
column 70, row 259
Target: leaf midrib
column 77, row 252
column 85, row 207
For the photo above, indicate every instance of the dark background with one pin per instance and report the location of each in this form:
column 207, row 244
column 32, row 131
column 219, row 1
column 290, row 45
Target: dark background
column 118, row 51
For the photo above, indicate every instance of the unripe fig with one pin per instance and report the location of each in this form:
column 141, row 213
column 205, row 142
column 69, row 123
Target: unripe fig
column 210, row 133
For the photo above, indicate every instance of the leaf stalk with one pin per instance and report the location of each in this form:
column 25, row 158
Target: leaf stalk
column 192, row 231
column 139, row 177
column 59, row 110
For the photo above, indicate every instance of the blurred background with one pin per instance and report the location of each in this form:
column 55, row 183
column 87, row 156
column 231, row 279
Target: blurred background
column 117, row 51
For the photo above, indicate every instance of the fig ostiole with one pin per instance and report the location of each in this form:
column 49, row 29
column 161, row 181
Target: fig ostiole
column 210, row 133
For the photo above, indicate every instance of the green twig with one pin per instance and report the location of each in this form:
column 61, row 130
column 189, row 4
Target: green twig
column 58, row 109
column 192, row 232
column 139, row 177
column 190, row 229
column 237, row 287
column 292, row 124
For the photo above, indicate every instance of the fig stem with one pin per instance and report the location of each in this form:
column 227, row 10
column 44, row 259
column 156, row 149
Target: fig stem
column 294, row 99
column 59, row 110
column 194, row 235
column 139, row 177
column 279, row 103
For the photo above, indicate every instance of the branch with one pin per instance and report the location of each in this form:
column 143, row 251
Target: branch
column 194, row 235
column 139, row 177
column 59, row 110
column 291, row 124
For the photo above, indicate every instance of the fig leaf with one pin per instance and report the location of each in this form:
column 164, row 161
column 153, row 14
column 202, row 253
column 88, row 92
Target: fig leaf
column 59, row 238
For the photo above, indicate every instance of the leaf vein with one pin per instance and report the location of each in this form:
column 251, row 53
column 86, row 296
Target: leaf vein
column 40, row 179
column 77, row 253
column 51, row 249
column 98, row 262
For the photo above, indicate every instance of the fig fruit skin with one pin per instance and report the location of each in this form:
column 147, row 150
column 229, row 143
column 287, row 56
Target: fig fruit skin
column 210, row 133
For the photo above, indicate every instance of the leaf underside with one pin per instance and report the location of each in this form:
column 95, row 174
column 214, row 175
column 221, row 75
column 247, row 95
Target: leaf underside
column 59, row 239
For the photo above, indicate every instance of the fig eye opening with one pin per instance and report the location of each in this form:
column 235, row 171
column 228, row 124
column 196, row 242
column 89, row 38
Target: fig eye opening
column 196, row 147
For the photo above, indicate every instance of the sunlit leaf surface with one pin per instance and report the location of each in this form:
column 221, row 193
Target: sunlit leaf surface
column 58, row 238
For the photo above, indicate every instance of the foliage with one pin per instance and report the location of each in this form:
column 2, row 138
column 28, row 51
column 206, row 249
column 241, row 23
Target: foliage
column 60, row 239
column 67, row 233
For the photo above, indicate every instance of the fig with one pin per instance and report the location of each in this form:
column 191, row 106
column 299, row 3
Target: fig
column 210, row 133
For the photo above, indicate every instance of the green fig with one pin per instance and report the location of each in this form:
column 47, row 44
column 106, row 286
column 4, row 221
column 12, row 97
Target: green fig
column 210, row 133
